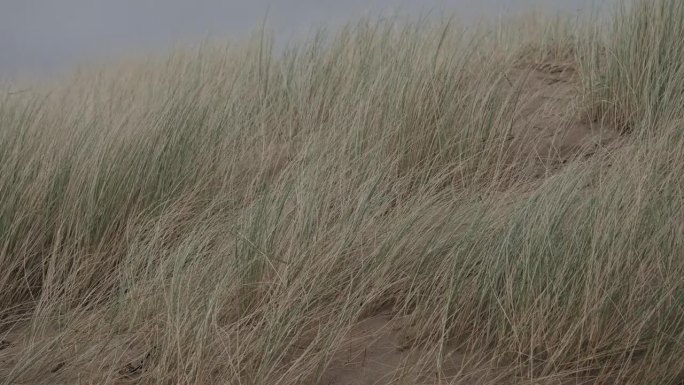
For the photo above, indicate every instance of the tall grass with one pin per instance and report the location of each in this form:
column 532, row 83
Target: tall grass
column 227, row 215
column 635, row 71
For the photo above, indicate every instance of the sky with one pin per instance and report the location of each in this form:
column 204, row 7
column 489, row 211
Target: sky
column 47, row 37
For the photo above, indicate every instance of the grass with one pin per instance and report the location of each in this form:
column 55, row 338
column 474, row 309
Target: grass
column 228, row 214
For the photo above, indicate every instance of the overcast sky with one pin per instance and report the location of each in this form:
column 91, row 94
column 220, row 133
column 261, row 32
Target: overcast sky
column 44, row 37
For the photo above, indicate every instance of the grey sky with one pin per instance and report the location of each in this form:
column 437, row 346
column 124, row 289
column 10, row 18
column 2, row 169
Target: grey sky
column 40, row 37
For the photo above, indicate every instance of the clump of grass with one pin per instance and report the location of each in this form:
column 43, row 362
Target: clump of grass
column 227, row 215
column 635, row 69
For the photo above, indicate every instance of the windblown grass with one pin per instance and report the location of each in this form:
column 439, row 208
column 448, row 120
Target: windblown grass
column 227, row 215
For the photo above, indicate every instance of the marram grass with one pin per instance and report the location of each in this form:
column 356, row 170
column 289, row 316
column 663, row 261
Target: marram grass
column 228, row 214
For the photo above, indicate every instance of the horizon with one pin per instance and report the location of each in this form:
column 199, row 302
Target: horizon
column 41, row 39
